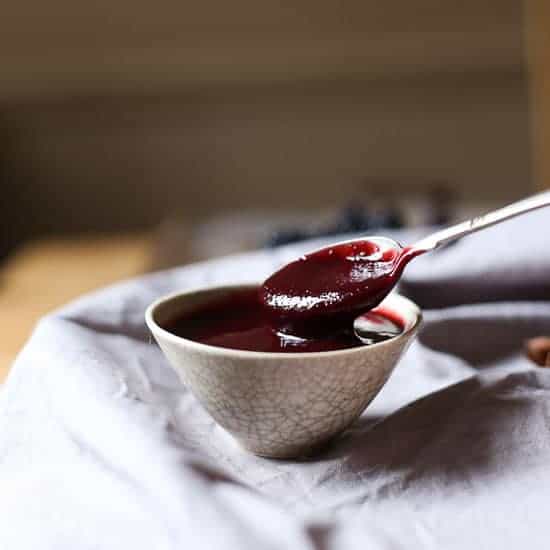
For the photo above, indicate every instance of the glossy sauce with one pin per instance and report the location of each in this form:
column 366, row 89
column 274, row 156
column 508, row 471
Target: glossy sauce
column 307, row 306
column 239, row 321
column 332, row 286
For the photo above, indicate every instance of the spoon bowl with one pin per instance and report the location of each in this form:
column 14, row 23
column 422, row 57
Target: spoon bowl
column 333, row 285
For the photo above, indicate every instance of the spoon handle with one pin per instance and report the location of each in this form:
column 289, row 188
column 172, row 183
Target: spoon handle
column 486, row 220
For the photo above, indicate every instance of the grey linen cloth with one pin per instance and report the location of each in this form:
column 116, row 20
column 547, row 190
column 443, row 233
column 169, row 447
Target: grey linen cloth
column 102, row 448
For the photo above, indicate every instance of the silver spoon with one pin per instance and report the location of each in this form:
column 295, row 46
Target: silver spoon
column 444, row 236
column 459, row 230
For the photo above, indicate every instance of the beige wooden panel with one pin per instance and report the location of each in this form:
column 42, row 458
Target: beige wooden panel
column 46, row 274
column 538, row 41
column 68, row 47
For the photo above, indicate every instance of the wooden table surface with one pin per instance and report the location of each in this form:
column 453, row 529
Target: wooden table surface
column 46, row 274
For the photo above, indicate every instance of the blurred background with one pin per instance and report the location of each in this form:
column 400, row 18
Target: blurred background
column 137, row 136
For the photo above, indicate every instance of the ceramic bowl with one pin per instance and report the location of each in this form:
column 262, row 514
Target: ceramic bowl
column 279, row 405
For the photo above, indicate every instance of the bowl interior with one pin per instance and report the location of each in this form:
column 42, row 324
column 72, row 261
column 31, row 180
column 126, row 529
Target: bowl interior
column 165, row 310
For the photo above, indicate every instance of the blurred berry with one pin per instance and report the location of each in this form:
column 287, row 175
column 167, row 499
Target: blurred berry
column 286, row 236
column 352, row 219
column 389, row 218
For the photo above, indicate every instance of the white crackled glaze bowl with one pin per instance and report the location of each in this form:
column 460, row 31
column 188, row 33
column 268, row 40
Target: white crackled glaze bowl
column 279, row 405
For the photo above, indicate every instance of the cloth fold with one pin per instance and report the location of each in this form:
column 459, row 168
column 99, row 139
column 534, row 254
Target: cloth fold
column 102, row 448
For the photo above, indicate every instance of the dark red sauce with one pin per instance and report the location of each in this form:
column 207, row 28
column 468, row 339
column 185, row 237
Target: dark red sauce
column 307, row 306
column 239, row 321
column 332, row 286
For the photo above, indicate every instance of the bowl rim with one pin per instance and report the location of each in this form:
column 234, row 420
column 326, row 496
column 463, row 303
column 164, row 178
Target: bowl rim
column 154, row 327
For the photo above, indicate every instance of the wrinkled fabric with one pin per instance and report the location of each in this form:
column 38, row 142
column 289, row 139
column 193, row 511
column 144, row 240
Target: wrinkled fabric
column 101, row 447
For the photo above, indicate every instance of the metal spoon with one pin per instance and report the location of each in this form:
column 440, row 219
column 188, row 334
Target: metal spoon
column 457, row 231
column 439, row 238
